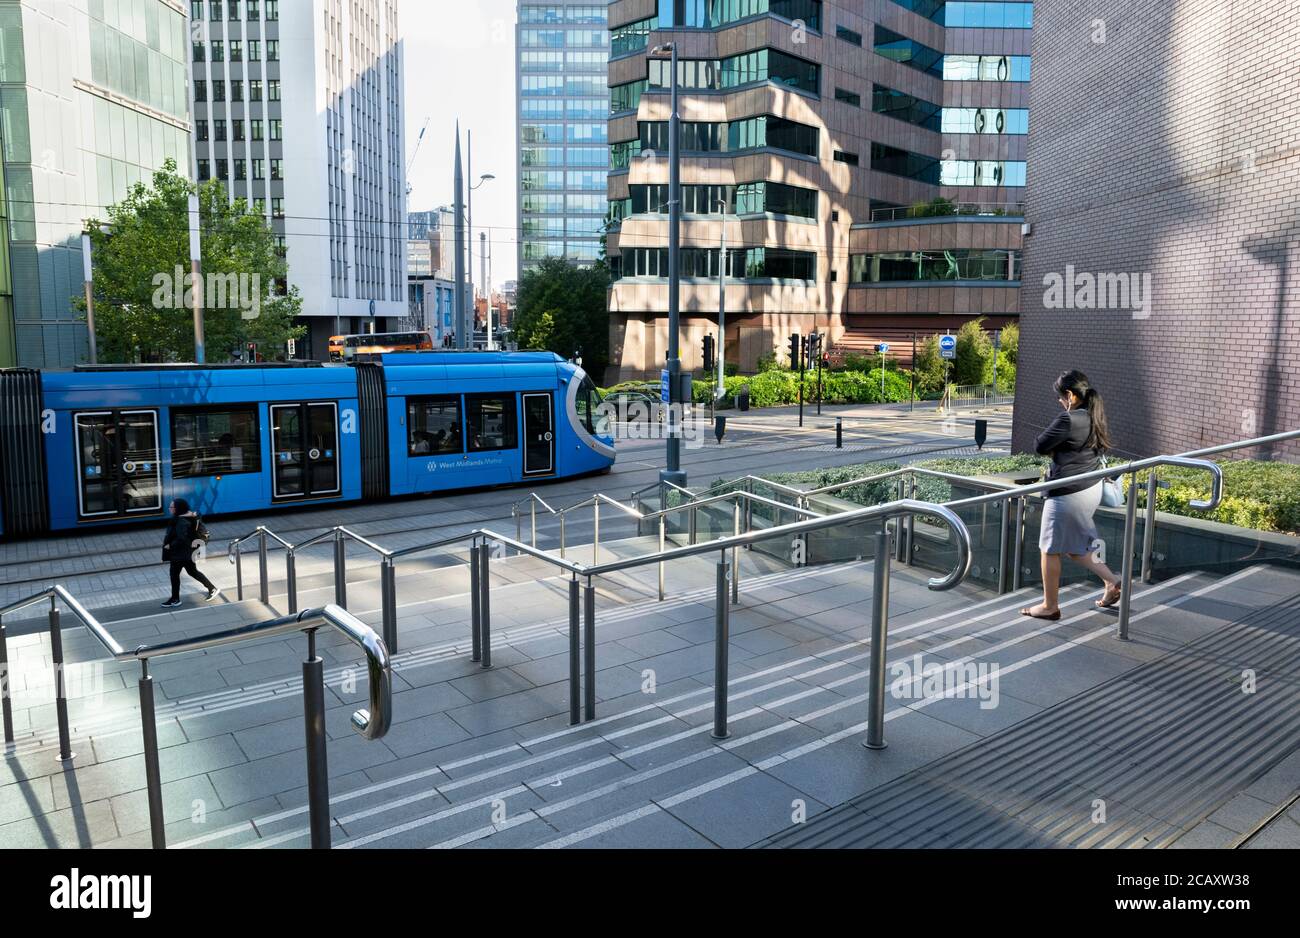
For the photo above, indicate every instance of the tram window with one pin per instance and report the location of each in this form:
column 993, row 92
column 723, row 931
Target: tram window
column 591, row 412
column 433, row 426
column 215, row 442
column 491, row 419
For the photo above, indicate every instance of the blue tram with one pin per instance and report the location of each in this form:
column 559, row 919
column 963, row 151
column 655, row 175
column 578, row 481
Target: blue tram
column 113, row 444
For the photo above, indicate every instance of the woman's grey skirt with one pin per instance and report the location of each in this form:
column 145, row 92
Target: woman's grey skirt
column 1068, row 527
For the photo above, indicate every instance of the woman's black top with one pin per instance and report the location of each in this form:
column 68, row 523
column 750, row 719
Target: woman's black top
column 1066, row 441
column 179, row 540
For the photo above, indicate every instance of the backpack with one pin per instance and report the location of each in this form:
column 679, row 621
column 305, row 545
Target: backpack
column 201, row 530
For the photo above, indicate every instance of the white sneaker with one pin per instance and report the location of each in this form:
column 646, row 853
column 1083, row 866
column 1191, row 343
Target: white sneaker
column 212, row 594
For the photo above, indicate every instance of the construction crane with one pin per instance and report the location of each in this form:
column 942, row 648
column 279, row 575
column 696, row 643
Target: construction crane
column 418, row 142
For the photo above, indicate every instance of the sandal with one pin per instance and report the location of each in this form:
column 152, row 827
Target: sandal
column 1110, row 597
column 1047, row 616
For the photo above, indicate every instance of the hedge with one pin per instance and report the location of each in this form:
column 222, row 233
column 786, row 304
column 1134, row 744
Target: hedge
column 1261, row 496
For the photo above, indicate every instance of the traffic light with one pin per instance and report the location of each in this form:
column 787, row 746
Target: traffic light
column 796, row 346
column 251, row 350
column 708, row 353
column 814, row 347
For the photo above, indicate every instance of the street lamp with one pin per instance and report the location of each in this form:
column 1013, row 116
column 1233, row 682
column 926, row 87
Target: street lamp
column 673, row 472
column 469, row 246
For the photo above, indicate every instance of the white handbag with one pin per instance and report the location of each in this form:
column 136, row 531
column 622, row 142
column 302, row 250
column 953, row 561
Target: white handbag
column 1112, row 492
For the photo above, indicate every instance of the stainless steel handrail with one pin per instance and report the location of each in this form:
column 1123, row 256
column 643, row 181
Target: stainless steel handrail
column 370, row 724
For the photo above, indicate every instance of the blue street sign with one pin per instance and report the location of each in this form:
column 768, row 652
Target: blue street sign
column 665, row 393
column 372, row 308
column 882, row 348
column 948, row 346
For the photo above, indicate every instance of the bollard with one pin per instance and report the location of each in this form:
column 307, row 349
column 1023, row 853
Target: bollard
column 839, row 433
column 340, row 571
column 388, row 602
column 575, row 671
column 484, row 604
column 291, row 579
column 721, row 647
column 152, row 771
column 60, row 687
column 475, row 597
column 313, row 700
column 879, row 629
column 589, row 648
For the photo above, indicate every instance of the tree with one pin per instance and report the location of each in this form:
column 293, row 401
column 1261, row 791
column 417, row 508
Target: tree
column 974, row 364
column 564, row 309
column 929, row 368
column 142, row 282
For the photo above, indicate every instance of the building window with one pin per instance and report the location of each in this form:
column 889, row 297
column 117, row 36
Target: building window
column 252, row 8
column 236, row 50
column 273, row 89
column 259, row 171
column 218, row 91
column 255, row 90
column 223, row 171
column 978, row 15
column 908, row 52
column 848, row 97
column 201, row 130
column 433, row 426
column 986, row 68
column 272, row 10
column 200, row 90
column 254, row 50
column 848, row 35
column 905, row 107
column 842, row 156
column 985, row 120
column 276, row 128
column 218, row 50
column 237, row 130
column 255, row 126
column 905, row 163
column 983, row 173
column 241, row 170
column 219, row 131
column 936, row 266
column 236, row 91
column 490, row 421
column 272, row 47
column 199, row 52
column 205, row 170
column 277, row 208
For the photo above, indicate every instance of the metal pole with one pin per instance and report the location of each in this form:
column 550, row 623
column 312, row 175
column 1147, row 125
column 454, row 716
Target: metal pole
column 6, row 705
column 562, row 535
column 721, row 361
column 1004, row 547
column 485, row 603
column 88, row 276
column 291, row 579
column 469, row 241
column 60, row 688
column 196, row 270
column 899, row 541
column 595, row 540
column 673, row 471
column 313, row 706
column 1149, row 527
column 662, row 544
column 575, row 669
column 721, row 646
column 264, row 593
column 475, row 597
column 1018, row 549
column 239, row 572
column 694, row 522
column 340, row 570
column 519, row 526
column 1130, row 535
column 839, row 433
column 911, row 523
column 879, row 630
column 735, row 555
column 532, row 505
column 152, row 771
column 487, row 294
column 388, row 590
column 458, row 207
column 589, row 648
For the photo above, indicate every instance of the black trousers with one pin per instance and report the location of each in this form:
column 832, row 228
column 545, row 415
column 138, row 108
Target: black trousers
column 192, row 569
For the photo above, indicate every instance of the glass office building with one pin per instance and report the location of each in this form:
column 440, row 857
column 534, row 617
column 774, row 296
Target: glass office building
column 563, row 100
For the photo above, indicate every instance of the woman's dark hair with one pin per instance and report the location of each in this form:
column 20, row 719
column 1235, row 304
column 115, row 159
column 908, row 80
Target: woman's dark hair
column 1077, row 382
column 182, row 507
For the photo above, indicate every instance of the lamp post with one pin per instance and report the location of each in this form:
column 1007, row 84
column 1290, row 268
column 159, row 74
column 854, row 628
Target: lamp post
column 196, row 269
column 87, row 268
column 673, row 472
column 469, row 221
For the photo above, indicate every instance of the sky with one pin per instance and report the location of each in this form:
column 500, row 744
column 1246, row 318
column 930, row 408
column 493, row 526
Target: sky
column 460, row 66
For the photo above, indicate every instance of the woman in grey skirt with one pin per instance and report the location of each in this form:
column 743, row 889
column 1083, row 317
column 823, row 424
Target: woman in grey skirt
column 1076, row 441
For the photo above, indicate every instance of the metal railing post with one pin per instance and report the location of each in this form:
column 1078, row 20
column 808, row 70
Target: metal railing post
column 5, row 703
column 264, row 591
column 152, row 771
column 1149, row 527
column 589, row 648
column 519, row 528
column 692, row 522
column 239, row 572
column 318, row 791
column 879, row 636
column 60, row 686
column 475, row 598
column 900, row 542
column 735, row 557
column 388, row 600
column 340, row 570
column 1130, row 535
column 562, row 535
column 575, row 668
column 532, row 508
column 595, row 539
column 721, row 648
column 663, row 540
column 485, row 603
column 1004, row 546
column 1018, row 547
column 291, row 579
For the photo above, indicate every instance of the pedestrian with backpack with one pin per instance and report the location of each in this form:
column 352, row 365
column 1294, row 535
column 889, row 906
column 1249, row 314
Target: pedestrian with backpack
column 185, row 535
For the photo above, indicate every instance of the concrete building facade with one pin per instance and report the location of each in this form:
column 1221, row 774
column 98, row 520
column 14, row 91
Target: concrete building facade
column 1165, row 242
column 820, row 134
column 298, row 108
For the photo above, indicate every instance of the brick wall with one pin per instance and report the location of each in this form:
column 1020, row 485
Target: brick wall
column 1171, row 147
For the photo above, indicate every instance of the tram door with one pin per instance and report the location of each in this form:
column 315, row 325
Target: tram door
column 539, row 435
column 117, row 463
column 305, row 441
